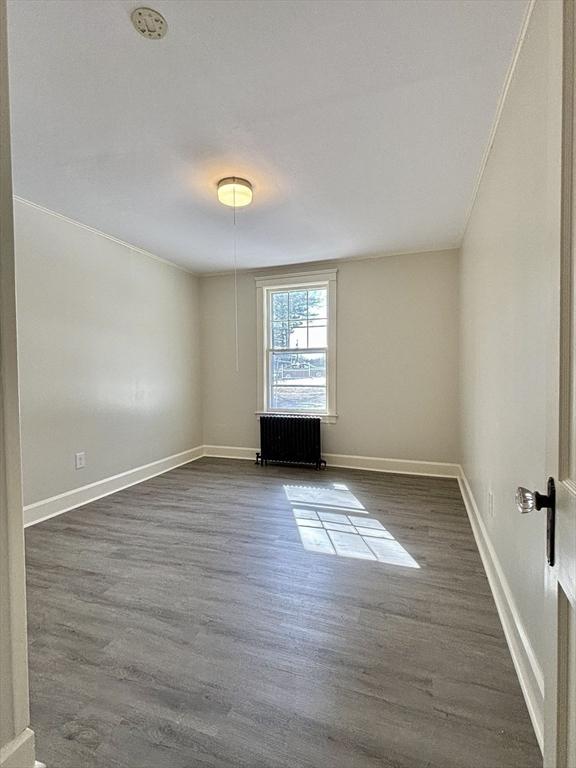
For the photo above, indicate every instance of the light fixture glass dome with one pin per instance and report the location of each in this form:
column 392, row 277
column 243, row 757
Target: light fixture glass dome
column 234, row 192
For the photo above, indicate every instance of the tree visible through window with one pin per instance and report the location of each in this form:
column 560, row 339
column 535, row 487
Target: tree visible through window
column 297, row 349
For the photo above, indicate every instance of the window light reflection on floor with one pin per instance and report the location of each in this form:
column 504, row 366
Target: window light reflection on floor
column 345, row 532
column 337, row 496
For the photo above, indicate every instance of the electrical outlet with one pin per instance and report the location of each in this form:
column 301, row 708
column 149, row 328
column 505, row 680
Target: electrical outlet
column 80, row 460
column 490, row 504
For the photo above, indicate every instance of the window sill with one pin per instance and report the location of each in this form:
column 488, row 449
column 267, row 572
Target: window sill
column 325, row 418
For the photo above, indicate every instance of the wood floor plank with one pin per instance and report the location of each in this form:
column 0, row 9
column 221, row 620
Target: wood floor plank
column 183, row 623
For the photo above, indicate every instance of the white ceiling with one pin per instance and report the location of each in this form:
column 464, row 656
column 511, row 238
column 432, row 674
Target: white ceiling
column 361, row 124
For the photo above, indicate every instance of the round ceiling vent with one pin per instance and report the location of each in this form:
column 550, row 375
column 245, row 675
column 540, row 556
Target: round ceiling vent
column 149, row 23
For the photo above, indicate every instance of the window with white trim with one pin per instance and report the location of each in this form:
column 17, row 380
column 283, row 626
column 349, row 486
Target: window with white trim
column 298, row 344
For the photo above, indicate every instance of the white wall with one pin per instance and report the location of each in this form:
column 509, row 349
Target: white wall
column 512, row 236
column 109, row 355
column 397, row 377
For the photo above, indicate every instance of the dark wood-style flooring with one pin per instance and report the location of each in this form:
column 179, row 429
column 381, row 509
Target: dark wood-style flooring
column 209, row 618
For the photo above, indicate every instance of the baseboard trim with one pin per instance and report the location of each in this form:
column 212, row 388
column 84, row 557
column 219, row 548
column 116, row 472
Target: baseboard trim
column 230, row 452
column 64, row 502
column 344, row 461
column 19, row 753
column 526, row 664
column 399, row 466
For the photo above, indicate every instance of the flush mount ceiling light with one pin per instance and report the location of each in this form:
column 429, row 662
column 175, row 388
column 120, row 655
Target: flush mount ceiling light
column 149, row 23
column 234, row 192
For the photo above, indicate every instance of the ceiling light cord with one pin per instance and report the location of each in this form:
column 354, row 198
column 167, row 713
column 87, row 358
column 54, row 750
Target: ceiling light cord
column 236, row 287
column 236, row 193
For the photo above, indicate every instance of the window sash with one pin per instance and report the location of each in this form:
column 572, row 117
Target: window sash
column 296, row 350
column 293, row 383
column 270, row 350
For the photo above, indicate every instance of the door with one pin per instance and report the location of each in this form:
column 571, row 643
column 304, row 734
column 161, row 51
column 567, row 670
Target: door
column 560, row 578
column 16, row 738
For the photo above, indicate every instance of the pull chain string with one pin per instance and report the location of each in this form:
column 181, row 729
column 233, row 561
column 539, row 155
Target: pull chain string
column 235, row 282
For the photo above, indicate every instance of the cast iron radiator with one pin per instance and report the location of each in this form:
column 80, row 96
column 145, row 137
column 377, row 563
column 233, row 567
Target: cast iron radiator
column 290, row 440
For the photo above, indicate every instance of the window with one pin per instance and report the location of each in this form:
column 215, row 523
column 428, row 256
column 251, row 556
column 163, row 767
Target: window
column 297, row 349
column 297, row 343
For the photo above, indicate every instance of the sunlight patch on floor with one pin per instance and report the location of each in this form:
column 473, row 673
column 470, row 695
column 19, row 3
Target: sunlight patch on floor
column 345, row 532
column 337, row 496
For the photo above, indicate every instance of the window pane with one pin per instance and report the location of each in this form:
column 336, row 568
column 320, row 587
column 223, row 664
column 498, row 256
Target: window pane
column 280, row 306
column 299, row 398
column 298, row 322
column 317, row 336
column 280, row 335
column 298, row 336
column 317, row 303
column 298, row 305
column 298, row 369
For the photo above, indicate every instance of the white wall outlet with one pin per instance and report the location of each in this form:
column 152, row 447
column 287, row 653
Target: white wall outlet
column 80, row 460
column 490, row 503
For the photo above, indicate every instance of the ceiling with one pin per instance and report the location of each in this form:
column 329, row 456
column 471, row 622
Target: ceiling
column 362, row 124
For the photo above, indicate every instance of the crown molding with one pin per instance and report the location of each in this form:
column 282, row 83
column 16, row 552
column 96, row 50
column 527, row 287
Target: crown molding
column 498, row 115
column 99, row 232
